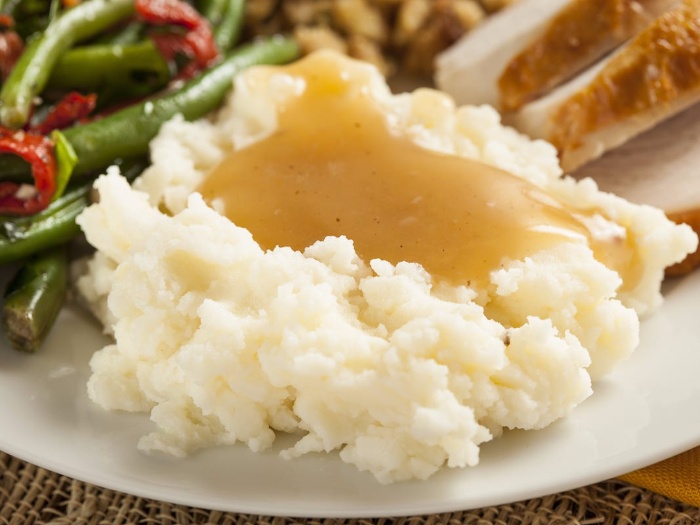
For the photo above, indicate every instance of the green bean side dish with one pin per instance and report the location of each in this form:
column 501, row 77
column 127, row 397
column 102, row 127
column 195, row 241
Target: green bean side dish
column 85, row 85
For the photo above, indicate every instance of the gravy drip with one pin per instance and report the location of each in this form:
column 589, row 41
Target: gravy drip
column 335, row 167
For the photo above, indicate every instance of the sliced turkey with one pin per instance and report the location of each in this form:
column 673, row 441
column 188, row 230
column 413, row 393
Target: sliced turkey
column 529, row 48
column 652, row 77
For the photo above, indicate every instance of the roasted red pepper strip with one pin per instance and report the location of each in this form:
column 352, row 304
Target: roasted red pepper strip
column 11, row 46
column 197, row 43
column 70, row 109
column 34, row 147
column 37, row 150
column 174, row 12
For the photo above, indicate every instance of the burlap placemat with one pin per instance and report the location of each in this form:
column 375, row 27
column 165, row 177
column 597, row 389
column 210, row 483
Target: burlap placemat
column 31, row 495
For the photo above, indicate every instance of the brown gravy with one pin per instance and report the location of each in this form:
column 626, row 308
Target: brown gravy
column 335, row 167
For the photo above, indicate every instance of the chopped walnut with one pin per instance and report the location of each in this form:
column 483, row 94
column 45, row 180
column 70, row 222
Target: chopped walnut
column 314, row 38
column 411, row 16
column 358, row 17
column 259, row 10
column 419, row 53
column 469, row 13
column 365, row 49
column 307, row 12
column 398, row 36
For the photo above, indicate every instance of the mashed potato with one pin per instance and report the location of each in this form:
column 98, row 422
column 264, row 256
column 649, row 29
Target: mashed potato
column 224, row 342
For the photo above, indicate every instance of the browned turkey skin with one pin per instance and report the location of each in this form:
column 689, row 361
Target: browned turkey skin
column 583, row 31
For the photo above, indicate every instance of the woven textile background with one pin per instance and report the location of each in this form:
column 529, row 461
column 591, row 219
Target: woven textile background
column 31, row 495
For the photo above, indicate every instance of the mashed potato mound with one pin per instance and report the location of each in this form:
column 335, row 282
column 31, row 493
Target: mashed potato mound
column 223, row 342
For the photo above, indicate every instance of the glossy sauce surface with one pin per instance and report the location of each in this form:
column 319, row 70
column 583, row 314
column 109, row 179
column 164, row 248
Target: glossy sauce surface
column 334, row 166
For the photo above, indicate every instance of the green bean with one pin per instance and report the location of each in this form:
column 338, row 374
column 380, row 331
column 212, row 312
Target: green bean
column 22, row 236
column 30, row 74
column 113, row 71
column 228, row 30
column 212, row 10
column 13, row 168
column 20, row 9
column 128, row 132
column 30, row 16
column 129, row 34
column 29, row 28
column 54, row 7
column 34, row 297
column 8, row 7
column 226, row 19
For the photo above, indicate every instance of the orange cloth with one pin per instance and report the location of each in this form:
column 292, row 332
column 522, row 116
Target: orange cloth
column 677, row 477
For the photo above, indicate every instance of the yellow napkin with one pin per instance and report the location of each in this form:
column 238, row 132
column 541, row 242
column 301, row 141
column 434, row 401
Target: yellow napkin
column 677, row 477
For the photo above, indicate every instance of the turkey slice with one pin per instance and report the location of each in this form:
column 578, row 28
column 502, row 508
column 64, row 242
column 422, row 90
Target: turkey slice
column 531, row 47
column 652, row 77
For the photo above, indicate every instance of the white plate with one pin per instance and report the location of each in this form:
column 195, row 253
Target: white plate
column 647, row 410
